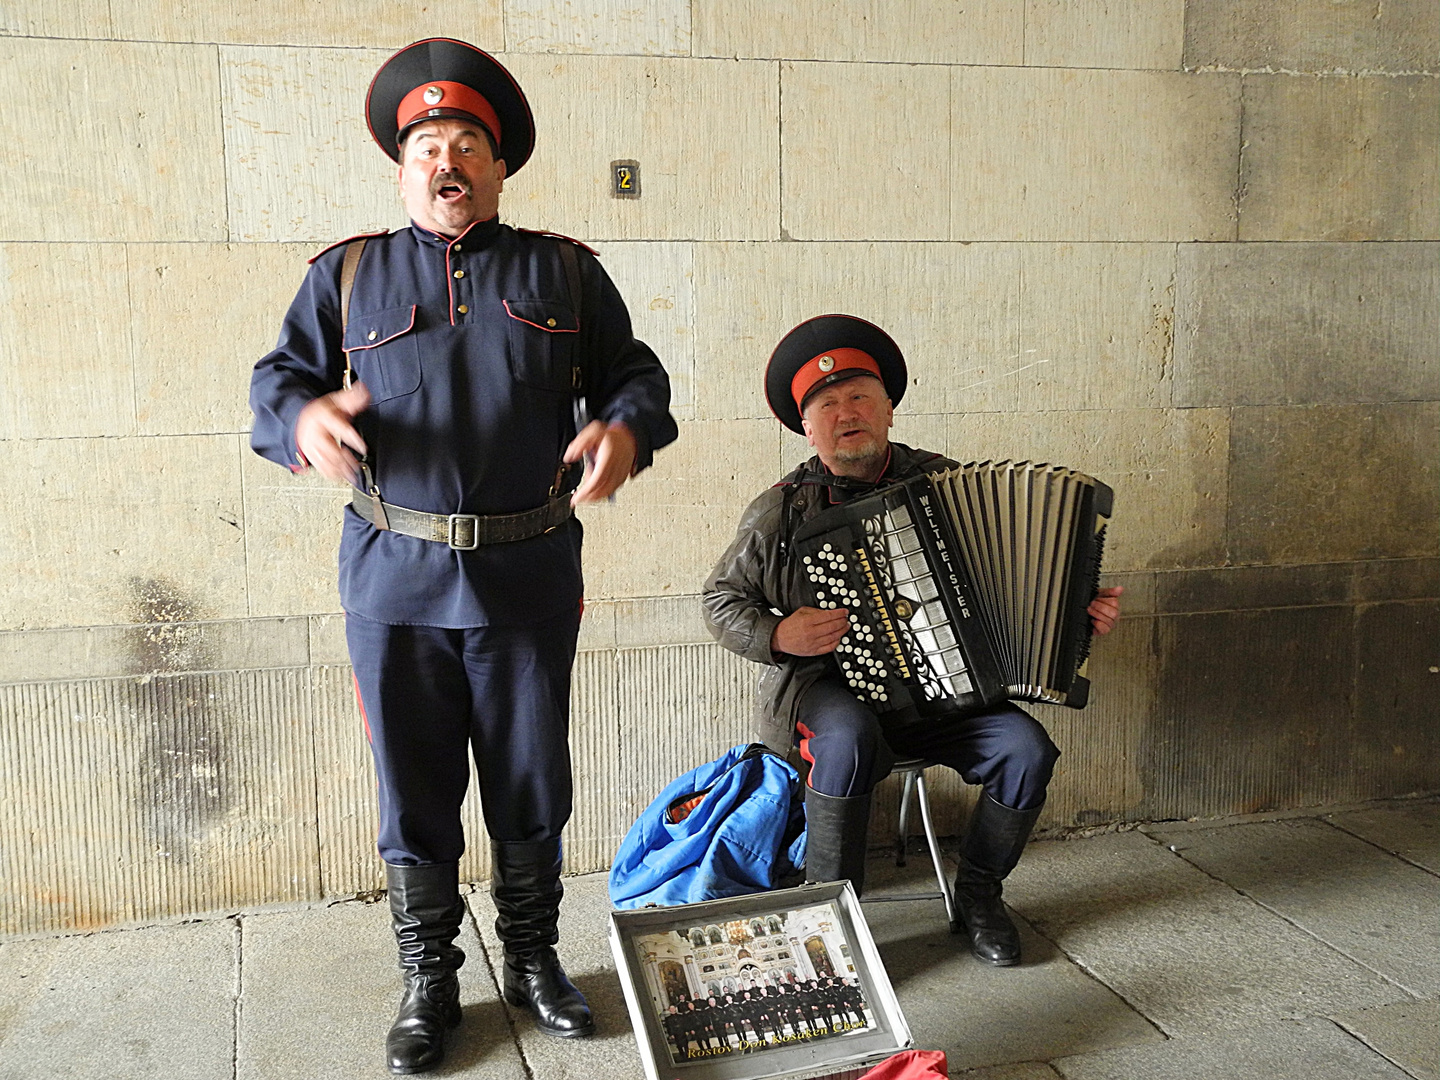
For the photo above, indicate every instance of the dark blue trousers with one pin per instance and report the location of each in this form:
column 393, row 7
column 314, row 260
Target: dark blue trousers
column 1004, row 749
column 428, row 695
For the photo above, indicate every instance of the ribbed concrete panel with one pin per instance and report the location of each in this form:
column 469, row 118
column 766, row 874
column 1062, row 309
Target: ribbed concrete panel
column 1052, row 154
column 597, row 746
column 118, row 531
column 1254, row 711
column 1397, row 682
column 1340, row 158
column 149, row 112
column 79, row 382
column 132, row 799
column 375, row 23
column 679, row 707
column 347, row 815
column 1313, row 35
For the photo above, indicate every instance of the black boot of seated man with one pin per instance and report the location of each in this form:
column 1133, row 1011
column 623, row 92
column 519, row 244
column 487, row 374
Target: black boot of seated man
column 425, row 912
column 993, row 845
column 835, row 832
column 525, row 884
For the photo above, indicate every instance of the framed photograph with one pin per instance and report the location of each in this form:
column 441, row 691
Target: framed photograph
column 775, row 984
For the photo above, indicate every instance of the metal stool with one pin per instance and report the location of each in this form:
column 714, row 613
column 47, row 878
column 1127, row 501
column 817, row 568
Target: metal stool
column 913, row 770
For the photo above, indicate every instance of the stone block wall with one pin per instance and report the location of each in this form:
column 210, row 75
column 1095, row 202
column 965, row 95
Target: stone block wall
column 1187, row 245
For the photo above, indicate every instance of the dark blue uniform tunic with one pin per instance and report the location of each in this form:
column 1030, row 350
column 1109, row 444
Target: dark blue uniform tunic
column 467, row 348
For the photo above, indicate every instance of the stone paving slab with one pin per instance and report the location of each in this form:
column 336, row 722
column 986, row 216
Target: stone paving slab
column 157, row 1002
column 319, row 989
column 1407, row 1034
column 1187, row 951
column 585, row 951
column 1410, row 830
column 1286, row 1050
column 1346, row 891
column 983, row 1016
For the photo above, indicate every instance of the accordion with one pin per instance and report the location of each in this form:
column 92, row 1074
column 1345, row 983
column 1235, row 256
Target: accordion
column 964, row 587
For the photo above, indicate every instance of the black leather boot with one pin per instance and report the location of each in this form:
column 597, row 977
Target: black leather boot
column 425, row 911
column 992, row 847
column 525, row 882
column 835, row 837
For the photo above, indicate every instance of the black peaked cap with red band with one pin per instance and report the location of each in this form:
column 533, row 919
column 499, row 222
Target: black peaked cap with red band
column 811, row 341
column 444, row 60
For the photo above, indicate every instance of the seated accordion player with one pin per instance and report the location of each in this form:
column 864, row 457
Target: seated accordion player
column 964, row 587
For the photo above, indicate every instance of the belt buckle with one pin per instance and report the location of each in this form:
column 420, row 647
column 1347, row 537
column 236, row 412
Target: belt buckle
column 455, row 531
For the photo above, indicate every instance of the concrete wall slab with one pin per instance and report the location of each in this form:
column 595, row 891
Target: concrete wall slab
column 1098, row 34
column 40, row 18
column 1306, row 323
column 1044, row 154
column 1312, row 35
column 76, row 383
column 669, row 525
column 1340, row 158
column 657, row 282
column 292, row 538
column 201, row 316
column 113, row 530
column 952, row 308
column 1329, row 483
column 1167, row 467
column 907, row 31
column 147, row 111
column 299, row 162
column 1291, row 867
column 1145, row 923
column 703, row 132
column 847, row 177
column 372, row 23
column 598, row 26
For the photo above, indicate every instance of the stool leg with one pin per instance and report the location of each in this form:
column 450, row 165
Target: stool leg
column 934, row 846
column 904, row 816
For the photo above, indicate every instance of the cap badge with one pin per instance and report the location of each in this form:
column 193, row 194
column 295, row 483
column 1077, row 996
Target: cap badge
column 826, row 363
column 433, row 94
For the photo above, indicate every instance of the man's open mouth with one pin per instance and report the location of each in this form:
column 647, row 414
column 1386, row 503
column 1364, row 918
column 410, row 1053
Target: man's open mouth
column 449, row 189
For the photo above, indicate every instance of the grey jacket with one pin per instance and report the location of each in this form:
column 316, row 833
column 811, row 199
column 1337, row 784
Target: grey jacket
column 755, row 584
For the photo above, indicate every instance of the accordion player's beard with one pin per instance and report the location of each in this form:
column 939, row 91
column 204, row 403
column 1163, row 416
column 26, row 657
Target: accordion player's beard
column 862, row 459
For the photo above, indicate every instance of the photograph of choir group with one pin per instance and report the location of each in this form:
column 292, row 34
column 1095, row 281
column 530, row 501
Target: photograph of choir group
column 762, row 982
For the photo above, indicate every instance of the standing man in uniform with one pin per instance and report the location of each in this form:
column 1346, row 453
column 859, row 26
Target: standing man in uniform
column 442, row 370
column 835, row 379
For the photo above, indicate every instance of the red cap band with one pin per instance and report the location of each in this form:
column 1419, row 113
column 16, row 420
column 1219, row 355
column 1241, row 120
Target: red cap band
column 442, row 99
column 832, row 362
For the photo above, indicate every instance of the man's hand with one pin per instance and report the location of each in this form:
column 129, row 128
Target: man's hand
column 1104, row 610
column 810, row 631
column 611, row 452
column 325, row 436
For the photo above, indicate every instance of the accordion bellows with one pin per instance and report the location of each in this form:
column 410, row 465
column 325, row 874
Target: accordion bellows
column 964, row 587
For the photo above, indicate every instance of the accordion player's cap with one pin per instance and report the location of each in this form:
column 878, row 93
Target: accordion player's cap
column 441, row 78
column 797, row 367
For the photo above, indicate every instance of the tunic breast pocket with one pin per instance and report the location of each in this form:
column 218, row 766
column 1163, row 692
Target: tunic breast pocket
column 383, row 351
column 542, row 343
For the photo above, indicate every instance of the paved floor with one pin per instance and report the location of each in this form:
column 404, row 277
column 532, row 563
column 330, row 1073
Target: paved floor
column 1275, row 947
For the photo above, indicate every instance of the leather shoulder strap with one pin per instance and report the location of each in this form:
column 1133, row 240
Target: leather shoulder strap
column 353, row 252
column 571, row 262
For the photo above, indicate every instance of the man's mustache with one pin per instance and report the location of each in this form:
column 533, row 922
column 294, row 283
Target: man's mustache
column 451, row 179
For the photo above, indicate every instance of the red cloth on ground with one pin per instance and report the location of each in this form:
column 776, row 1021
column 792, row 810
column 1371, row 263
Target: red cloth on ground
column 911, row 1065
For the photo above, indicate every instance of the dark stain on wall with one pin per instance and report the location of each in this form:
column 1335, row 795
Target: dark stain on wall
column 185, row 782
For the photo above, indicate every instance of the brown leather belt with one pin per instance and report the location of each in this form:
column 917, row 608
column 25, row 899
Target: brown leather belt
column 466, row 532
